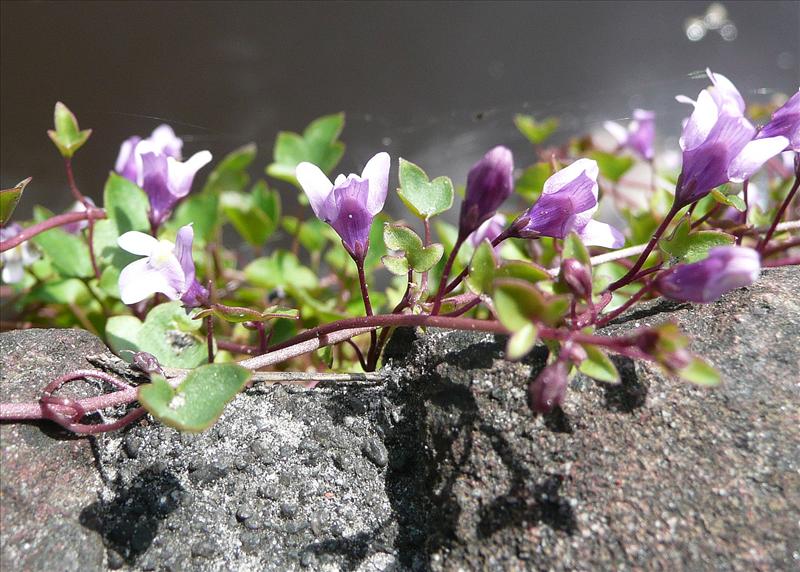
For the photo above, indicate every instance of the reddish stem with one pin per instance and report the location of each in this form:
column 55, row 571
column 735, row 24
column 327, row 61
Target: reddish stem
column 53, row 222
column 785, row 205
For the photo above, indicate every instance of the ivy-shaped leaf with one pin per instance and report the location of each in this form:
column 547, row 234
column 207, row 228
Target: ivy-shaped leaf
column 68, row 253
column 255, row 215
column 231, row 174
column 414, row 255
column 687, row 246
column 531, row 182
column 423, row 197
column 9, row 198
column 236, row 314
column 198, row 401
column 574, row 248
column 527, row 271
column 67, row 136
column 700, row 373
column 318, row 145
column 518, row 303
column 482, row 269
column 521, row 342
column 730, row 200
column 281, row 270
column 536, row 131
column 598, row 366
column 167, row 333
column 612, row 167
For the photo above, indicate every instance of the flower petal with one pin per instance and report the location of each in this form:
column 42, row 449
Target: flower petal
column 181, row 174
column 137, row 242
column 726, row 94
column 183, row 252
column 617, row 131
column 126, row 164
column 376, row 171
column 596, row 233
column 753, row 156
column 700, row 123
column 315, row 184
column 13, row 270
column 571, row 172
column 138, row 281
column 165, row 140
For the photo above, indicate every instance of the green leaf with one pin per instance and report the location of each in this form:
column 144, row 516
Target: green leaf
column 318, row 145
column 729, row 200
column 231, row 173
column 424, row 198
column 282, row 269
column 521, row 342
column 402, row 238
column 518, row 303
column 9, row 198
column 531, row 182
column 396, row 264
column 255, row 215
column 700, row 373
column 68, row 253
column 202, row 211
column 574, row 248
column 527, row 271
column 198, row 401
column 126, row 208
column 235, row 314
column 598, row 366
column 69, row 291
column 482, row 269
column 167, row 333
column 612, row 167
column 67, row 136
column 687, row 246
column 536, row 131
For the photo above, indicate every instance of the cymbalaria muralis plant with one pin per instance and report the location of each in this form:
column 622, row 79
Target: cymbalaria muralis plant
column 147, row 270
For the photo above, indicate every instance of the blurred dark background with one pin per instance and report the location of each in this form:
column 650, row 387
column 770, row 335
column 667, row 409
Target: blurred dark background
column 435, row 82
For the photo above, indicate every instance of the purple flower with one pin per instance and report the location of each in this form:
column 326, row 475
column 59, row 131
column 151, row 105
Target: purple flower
column 549, row 388
column 166, row 181
column 162, row 141
column 490, row 229
column 567, row 204
column 725, row 269
column 640, row 134
column 785, row 122
column 489, row 183
column 14, row 260
column 168, row 268
column 155, row 165
column 717, row 142
column 349, row 203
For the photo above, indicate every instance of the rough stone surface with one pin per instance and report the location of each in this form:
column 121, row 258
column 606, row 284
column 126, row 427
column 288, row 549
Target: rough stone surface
column 47, row 476
column 442, row 467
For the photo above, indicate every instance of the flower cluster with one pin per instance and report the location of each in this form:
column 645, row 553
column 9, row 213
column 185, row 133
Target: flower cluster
column 155, row 165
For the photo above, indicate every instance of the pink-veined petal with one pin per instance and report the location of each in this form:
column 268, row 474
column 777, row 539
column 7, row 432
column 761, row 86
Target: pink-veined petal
column 753, row 156
column 137, row 242
column 315, row 184
column 376, row 171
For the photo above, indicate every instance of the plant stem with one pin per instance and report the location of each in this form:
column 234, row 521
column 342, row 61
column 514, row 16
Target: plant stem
column 362, row 280
column 785, row 205
column 210, row 337
column 52, row 222
column 606, row 318
column 631, row 274
column 789, row 261
column 448, row 266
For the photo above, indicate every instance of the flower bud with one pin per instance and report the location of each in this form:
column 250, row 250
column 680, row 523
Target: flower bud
column 147, row 363
column 725, row 269
column 577, row 277
column 489, row 183
column 549, row 388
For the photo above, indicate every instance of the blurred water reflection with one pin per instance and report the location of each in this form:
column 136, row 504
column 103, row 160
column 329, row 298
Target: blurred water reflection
column 437, row 83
